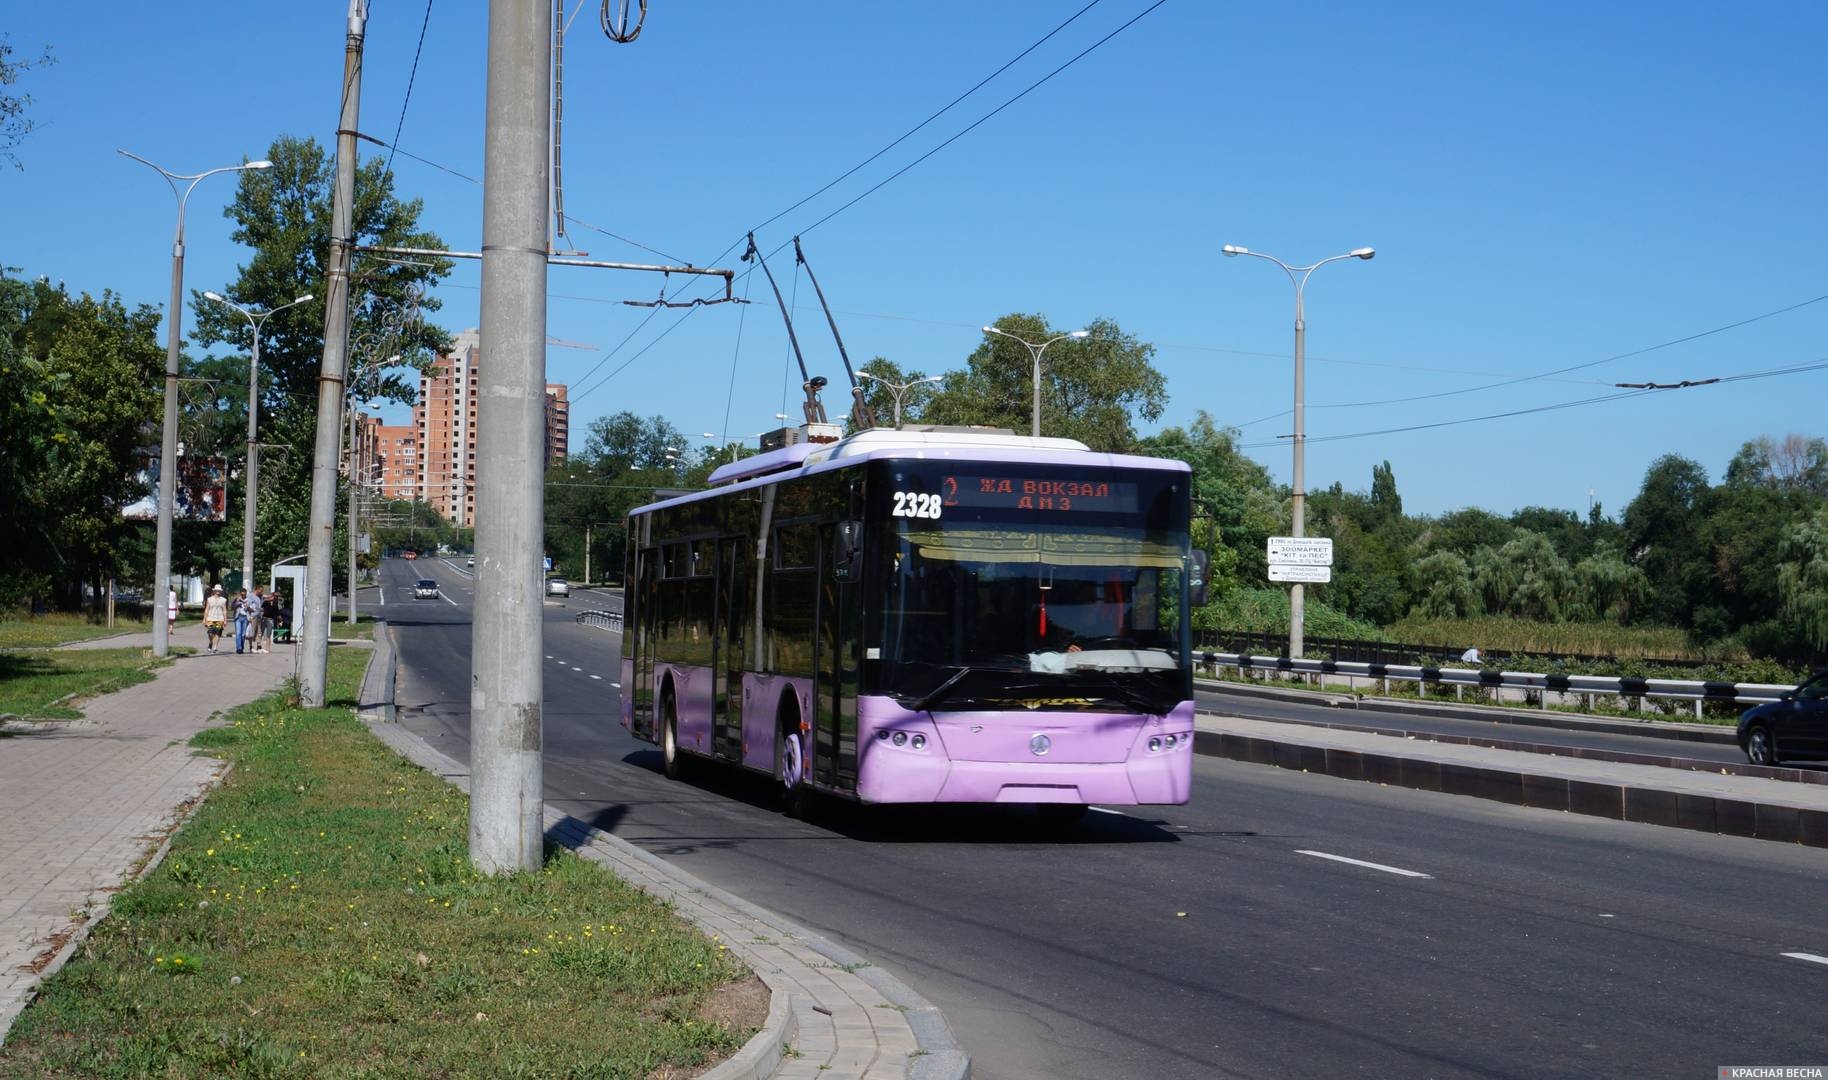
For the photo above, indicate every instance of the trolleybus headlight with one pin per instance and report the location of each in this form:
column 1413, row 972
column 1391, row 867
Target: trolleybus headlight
column 920, row 742
column 883, row 735
column 900, row 738
column 1155, row 743
column 1170, row 742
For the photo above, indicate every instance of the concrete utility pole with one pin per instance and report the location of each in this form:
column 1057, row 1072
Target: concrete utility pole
column 506, row 729
column 1297, row 604
column 314, row 657
column 168, row 442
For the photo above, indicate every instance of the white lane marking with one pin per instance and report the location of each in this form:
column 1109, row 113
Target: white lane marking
column 1809, row 956
column 1367, row 865
column 447, row 599
column 617, row 685
column 548, row 656
column 596, row 676
column 383, row 593
column 1102, row 810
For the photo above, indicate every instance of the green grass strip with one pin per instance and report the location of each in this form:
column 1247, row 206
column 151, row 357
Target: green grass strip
column 319, row 916
column 31, row 681
column 40, row 631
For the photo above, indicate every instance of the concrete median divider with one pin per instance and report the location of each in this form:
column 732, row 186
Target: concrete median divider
column 1763, row 808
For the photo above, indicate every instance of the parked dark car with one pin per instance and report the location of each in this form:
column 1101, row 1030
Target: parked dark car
column 1793, row 726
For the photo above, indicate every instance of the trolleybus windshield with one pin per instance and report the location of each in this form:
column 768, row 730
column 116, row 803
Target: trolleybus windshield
column 1034, row 589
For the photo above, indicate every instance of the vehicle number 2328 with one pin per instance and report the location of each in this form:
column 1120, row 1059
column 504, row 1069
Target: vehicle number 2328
column 914, row 504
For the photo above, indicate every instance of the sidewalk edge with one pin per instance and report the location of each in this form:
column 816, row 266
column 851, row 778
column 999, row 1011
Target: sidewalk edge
column 99, row 909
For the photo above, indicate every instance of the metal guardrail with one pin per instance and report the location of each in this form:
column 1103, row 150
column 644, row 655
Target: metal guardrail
column 607, row 620
column 1358, row 650
column 1528, row 682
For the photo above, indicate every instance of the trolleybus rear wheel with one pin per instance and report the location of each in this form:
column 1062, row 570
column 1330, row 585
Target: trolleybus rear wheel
column 671, row 759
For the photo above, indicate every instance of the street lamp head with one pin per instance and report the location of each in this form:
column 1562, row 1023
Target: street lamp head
column 258, row 165
column 1079, row 334
column 305, row 299
column 1233, row 249
column 990, row 329
column 930, row 378
column 213, row 296
column 1363, row 253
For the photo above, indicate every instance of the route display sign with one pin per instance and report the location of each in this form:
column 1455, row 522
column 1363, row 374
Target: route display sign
column 1299, row 551
column 1299, row 572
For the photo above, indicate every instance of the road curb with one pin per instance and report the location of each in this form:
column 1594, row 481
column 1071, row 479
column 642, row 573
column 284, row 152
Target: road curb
column 818, row 1025
column 1653, row 729
column 1518, row 787
column 376, row 697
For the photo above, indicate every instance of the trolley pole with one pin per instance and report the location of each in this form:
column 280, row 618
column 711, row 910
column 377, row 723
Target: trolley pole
column 314, row 656
column 506, row 732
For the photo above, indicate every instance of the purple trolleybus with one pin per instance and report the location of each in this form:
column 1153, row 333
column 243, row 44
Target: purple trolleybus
column 922, row 616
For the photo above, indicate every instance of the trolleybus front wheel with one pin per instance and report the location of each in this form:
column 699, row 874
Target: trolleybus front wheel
column 796, row 793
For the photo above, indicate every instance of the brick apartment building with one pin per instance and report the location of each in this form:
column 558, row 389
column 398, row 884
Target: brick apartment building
column 444, row 427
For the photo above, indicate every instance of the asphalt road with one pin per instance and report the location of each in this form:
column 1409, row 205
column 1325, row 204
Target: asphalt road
column 1225, row 937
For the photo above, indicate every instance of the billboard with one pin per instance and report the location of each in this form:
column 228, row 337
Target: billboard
column 201, row 495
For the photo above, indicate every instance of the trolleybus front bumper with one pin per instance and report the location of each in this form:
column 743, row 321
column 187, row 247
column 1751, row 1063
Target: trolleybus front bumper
column 1027, row 756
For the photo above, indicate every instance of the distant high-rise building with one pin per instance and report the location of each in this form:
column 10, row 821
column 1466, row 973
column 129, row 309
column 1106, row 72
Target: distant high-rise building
column 444, row 425
column 558, row 424
column 391, row 453
column 445, row 419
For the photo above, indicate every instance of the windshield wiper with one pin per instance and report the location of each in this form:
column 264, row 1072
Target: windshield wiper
column 926, row 701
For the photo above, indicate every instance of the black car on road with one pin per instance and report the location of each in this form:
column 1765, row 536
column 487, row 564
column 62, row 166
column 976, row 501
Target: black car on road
column 1793, row 726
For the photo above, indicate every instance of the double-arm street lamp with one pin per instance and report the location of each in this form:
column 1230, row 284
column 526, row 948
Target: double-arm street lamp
column 256, row 321
column 1036, row 351
column 1299, row 276
column 168, row 443
column 900, row 389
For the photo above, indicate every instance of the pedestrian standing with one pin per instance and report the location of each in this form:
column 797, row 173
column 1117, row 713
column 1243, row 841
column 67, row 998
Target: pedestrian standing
column 171, row 612
column 215, row 616
column 240, row 613
column 257, row 620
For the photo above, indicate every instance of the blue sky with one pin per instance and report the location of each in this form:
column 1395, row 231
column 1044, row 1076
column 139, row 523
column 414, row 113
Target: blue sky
column 1547, row 186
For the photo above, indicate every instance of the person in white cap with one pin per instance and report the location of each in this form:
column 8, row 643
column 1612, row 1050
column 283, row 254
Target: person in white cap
column 215, row 615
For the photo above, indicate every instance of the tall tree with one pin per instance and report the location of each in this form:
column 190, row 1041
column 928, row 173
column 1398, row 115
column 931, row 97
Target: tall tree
column 14, row 124
column 88, row 367
column 1093, row 390
column 1661, row 537
column 1802, row 579
column 1236, row 506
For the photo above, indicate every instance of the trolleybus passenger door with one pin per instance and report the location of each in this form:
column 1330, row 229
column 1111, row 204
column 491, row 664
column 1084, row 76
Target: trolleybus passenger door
column 732, row 588
column 836, row 693
column 644, row 591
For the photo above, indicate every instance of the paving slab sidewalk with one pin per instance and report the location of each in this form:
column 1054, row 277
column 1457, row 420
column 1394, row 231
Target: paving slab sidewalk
column 86, row 804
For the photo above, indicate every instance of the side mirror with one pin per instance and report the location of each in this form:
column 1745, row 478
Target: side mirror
column 1196, row 577
column 848, row 565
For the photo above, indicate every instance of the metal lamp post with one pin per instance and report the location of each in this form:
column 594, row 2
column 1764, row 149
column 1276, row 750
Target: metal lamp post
column 168, row 443
column 1299, row 276
column 899, row 389
column 256, row 321
column 1036, row 351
